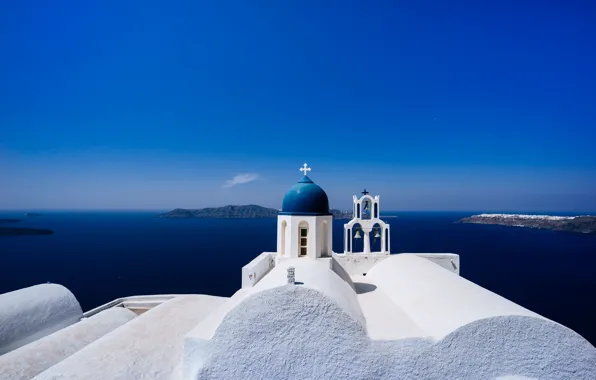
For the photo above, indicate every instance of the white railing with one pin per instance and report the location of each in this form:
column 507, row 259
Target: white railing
column 133, row 302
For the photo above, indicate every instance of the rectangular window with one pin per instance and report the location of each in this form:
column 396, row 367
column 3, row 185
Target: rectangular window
column 303, row 241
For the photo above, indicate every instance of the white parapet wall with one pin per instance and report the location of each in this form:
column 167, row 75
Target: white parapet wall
column 257, row 269
column 149, row 347
column 31, row 313
column 449, row 261
column 137, row 303
column 35, row 357
column 358, row 264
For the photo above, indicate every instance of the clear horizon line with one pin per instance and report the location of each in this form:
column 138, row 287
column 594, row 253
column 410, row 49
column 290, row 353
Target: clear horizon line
column 516, row 211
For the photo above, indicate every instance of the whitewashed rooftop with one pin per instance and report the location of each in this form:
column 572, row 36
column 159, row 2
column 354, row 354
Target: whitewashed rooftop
column 407, row 318
column 302, row 312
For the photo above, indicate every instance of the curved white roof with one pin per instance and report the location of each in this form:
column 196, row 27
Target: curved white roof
column 438, row 300
column 293, row 331
column 31, row 313
column 317, row 275
column 35, row 357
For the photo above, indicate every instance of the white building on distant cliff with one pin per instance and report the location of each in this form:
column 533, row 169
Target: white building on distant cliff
column 303, row 312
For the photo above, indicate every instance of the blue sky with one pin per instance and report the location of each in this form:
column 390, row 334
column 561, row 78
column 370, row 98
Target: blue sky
column 454, row 105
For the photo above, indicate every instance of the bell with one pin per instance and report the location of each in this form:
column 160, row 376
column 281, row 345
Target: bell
column 377, row 234
column 357, row 235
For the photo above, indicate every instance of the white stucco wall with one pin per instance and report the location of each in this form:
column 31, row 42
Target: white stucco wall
column 325, row 233
column 339, row 269
column 277, row 316
column 35, row 357
column 296, row 332
column 316, row 274
column 149, row 347
column 312, row 274
column 437, row 299
column 257, row 268
column 514, row 346
column 205, row 329
column 31, row 313
column 319, row 243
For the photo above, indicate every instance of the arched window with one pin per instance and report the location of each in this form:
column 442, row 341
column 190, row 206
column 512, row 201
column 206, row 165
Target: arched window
column 284, row 226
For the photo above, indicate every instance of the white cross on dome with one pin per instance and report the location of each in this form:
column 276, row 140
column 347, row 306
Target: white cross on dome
column 305, row 169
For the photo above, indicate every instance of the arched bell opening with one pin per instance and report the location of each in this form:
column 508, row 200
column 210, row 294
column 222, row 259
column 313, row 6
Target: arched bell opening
column 376, row 238
column 367, row 209
column 357, row 240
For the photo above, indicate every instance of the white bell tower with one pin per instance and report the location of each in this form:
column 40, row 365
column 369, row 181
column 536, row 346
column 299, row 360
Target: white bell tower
column 366, row 219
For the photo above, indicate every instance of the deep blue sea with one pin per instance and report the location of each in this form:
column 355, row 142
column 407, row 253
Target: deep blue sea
column 101, row 256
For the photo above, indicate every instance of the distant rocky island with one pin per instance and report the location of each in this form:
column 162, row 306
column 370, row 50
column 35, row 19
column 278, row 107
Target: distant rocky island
column 15, row 231
column 5, row 221
column 578, row 224
column 238, row 212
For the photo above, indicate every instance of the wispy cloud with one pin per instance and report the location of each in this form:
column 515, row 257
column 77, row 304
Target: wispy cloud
column 241, row 178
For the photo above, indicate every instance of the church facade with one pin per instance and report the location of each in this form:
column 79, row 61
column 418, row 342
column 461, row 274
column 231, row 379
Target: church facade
column 305, row 223
column 305, row 230
column 302, row 312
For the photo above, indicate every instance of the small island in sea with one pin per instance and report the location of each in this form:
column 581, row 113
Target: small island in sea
column 238, row 212
column 6, row 221
column 15, row 231
column 579, row 224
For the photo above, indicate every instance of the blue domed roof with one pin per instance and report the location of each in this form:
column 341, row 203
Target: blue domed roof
column 305, row 198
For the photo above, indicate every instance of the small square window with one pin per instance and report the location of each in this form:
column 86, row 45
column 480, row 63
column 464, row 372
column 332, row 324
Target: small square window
column 303, row 251
column 303, row 242
column 303, row 232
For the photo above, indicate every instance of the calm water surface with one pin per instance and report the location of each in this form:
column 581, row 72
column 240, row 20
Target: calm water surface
column 101, row 256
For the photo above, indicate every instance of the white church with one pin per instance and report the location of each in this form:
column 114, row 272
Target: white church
column 302, row 312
